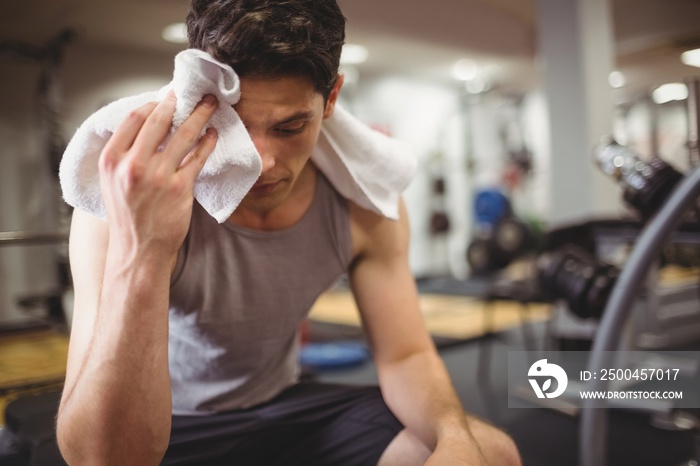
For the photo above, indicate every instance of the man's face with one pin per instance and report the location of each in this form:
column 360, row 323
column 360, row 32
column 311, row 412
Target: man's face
column 283, row 117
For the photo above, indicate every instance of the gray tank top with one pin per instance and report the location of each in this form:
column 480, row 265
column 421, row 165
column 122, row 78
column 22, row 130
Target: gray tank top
column 238, row 297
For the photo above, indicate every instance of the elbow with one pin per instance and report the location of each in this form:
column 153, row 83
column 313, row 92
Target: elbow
column 83, row 444
column 66, row 445
column 71, row 447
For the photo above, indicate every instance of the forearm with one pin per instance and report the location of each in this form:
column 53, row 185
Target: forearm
column 118, row 408
column 419, row 392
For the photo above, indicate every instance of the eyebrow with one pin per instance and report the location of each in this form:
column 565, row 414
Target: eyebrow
column 302, row 115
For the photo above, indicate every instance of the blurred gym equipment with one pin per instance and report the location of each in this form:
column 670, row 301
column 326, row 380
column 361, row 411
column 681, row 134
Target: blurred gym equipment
column 593, row 418
column 50, row 303
column 639, row 270
column 48, row 57
column 574, row 275
column 646, row 185
column 500, row 236
column 28, row 437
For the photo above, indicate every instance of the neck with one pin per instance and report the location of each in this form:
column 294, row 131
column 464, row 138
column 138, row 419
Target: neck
column 287, row 213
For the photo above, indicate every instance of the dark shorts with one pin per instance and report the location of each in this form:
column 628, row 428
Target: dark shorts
column 308, row 424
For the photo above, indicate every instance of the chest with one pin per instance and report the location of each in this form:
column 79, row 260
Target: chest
column 238, row 281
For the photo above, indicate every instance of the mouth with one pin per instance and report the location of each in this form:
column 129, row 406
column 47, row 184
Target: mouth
column 263, row 187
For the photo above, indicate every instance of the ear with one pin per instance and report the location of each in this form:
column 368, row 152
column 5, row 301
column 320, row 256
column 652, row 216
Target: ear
column 333, row 96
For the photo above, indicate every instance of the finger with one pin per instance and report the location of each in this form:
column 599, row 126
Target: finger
column 189, row 133
column 195, row 160
column 123, row 137
column 156, row 126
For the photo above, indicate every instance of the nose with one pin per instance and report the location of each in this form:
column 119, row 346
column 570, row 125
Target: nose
column 266, row 151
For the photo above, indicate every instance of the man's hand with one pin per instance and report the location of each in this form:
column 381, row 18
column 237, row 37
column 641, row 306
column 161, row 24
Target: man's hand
column 148, row 193
column 456, row 454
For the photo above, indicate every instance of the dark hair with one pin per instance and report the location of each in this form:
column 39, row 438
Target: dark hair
column 271, row 38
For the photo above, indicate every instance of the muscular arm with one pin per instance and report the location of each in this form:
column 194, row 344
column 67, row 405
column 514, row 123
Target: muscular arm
column 116, row 404
column 413, row 379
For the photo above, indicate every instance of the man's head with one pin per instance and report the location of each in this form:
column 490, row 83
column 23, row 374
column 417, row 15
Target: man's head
column 270, row 39
column 286, row 53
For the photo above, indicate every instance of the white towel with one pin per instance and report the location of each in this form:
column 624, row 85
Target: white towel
column 365, row 166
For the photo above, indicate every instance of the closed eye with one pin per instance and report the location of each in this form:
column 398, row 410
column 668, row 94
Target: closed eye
column 291, row 129
column 294, row 124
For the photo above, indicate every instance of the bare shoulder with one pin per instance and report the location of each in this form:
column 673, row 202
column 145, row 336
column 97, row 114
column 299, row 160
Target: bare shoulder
column 374, row 234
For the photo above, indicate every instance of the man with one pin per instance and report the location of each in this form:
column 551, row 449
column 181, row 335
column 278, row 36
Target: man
column 183, row 346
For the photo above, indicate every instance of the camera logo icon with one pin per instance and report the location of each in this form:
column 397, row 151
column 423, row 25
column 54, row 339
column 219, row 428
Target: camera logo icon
column 541, row 369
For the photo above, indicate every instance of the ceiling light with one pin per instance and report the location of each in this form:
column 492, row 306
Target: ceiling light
column 176, row 32
column 465, row 70
column 691, row 57
column 477, row 85
column 616, row 79
column 670, row 92
column 353, row 54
